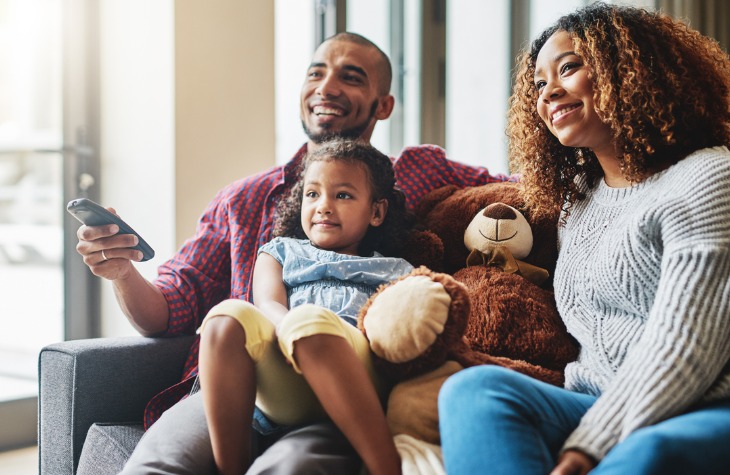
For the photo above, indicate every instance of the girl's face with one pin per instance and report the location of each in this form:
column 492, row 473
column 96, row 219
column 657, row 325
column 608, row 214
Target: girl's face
column 565, row 100
column 337, row 205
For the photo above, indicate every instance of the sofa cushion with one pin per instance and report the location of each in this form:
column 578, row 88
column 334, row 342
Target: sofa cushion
column 107, row 448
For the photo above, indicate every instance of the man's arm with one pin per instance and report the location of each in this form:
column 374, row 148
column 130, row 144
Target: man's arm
column 108, row 255
column 142, row 302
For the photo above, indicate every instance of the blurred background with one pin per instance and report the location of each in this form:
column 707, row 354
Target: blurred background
column 153, row 106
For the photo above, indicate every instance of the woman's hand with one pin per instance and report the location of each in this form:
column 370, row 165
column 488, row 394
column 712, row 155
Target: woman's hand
column 573, row 462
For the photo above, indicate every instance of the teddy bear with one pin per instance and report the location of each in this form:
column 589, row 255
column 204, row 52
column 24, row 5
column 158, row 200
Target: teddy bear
column 481, row 295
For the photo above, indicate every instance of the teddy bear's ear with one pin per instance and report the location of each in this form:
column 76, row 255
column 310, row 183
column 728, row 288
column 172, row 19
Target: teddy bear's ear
column 428, row 202
column 424, row 248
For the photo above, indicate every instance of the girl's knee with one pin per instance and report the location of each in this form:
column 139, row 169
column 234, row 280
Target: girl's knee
column 309, row 320
column 221, row 331
column 310, row 314
column 237, row 322
column 232, row 307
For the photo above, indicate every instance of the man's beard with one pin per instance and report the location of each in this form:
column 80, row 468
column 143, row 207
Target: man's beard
column 351, row 133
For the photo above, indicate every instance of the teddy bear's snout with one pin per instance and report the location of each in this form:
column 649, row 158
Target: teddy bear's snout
column 499, row 211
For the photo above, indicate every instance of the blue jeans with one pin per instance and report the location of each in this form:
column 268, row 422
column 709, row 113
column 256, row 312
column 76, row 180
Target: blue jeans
column 497, row 418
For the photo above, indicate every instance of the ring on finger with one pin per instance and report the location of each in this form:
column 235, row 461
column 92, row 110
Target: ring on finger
column 103, row 256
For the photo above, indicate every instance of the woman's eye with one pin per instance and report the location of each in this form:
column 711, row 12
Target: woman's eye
column 569, row 66
column 539, row 85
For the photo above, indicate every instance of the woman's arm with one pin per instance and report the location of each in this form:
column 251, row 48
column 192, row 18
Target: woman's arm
column 679, row 355
column 269, row 292
column 682, row 348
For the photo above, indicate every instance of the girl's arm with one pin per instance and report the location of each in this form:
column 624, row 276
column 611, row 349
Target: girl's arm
column 269, row 292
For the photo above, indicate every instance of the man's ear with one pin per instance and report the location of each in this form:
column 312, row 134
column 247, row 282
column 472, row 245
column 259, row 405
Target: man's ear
column 380, row 209
column 385, row 107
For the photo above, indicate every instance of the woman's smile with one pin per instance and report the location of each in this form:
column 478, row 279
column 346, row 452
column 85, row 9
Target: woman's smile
column 561, row 111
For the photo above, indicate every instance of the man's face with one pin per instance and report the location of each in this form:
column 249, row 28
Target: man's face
column 340, row 96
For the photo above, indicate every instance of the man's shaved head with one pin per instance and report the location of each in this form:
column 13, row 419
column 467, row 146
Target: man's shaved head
column 385, row 70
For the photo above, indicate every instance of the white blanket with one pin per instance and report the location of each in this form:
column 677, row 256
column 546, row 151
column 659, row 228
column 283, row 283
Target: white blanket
column 419, row 457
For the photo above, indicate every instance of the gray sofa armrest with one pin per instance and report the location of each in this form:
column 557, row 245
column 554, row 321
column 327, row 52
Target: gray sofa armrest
column 98, row 380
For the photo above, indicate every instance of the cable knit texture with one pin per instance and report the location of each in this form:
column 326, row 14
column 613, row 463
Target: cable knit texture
column 643, row 283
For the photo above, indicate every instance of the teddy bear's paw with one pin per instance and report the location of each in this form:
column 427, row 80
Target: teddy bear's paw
column 415, row 323
column 406, row 318
column 413, row 404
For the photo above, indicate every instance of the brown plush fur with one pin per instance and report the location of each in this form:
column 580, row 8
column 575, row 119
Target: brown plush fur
column 495, row 318
column 515, row 319
column 446, row 213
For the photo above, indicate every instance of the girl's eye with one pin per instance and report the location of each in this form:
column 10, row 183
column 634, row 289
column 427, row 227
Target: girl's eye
column 310, row 194
column 343, row 196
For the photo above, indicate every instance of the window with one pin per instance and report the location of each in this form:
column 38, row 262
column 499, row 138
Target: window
column 31, row 237
column 46, row 96
column 452, row 64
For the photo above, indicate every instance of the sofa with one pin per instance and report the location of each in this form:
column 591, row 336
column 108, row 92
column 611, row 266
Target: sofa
column 92, row 395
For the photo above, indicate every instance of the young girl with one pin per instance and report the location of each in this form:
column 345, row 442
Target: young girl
column 621, row 118
column 297, row 355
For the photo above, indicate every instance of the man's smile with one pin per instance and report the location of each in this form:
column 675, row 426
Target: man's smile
column 320, row 110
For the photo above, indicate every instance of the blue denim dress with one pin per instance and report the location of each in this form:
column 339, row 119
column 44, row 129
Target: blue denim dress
column 339, row 282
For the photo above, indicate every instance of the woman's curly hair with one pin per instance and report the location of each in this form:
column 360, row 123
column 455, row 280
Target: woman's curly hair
column 663, row 88
column 389, row 237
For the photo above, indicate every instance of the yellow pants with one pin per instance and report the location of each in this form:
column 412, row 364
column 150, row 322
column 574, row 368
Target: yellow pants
column 282, row 393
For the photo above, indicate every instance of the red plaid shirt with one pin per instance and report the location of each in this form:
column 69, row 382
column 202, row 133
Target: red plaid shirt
column 217, row 263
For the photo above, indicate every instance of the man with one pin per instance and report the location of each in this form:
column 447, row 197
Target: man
column 345, row 93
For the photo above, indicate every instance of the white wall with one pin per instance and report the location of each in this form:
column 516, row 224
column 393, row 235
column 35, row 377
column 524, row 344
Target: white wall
column 224, row 99
column 187, row 106
column 137, row 130
column 294, row 48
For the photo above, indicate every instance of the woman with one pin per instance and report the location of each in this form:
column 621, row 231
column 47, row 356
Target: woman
column 620, row 118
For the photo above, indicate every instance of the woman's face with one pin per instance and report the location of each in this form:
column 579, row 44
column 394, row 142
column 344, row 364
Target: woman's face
column 565, row 97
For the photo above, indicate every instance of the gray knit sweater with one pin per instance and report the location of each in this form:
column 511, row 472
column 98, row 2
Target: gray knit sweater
column 643, row 283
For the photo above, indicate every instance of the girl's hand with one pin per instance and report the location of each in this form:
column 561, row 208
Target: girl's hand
column 573, row 462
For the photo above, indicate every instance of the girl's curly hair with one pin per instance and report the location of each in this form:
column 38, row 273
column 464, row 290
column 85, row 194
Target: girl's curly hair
column 389, row 237
column 663, row 88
